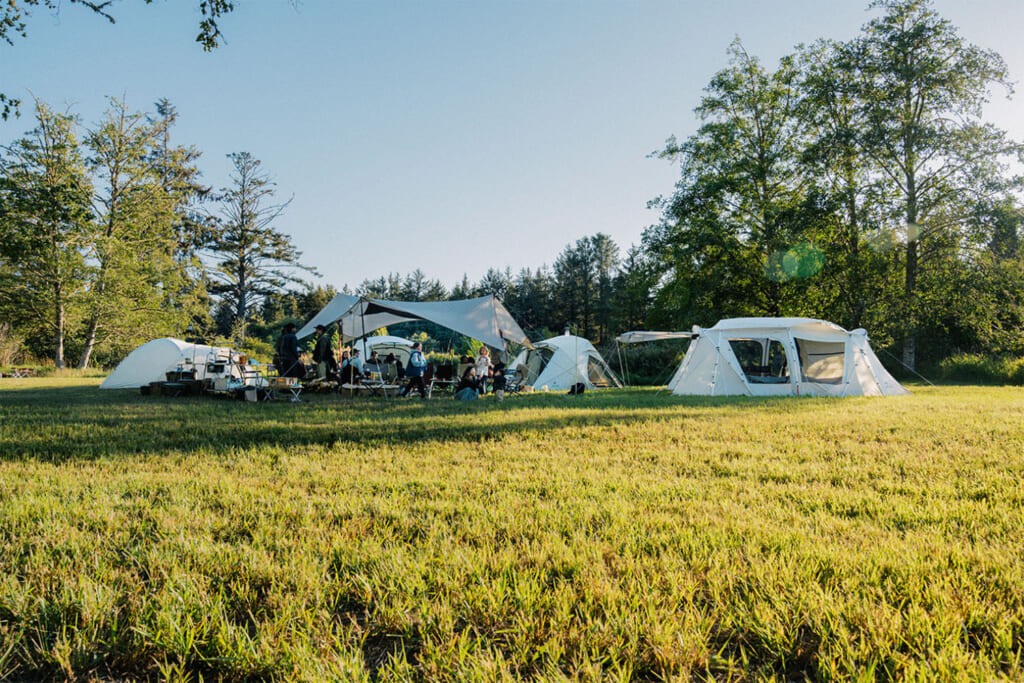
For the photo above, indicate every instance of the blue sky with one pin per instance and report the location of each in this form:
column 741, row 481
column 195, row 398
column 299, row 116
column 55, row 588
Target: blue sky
column 450, row 136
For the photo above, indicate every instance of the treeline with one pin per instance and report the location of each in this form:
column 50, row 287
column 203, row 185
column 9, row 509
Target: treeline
column 856, row 182
column 109, row 239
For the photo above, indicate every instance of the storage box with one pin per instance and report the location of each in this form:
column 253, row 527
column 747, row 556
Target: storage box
column 282, row 382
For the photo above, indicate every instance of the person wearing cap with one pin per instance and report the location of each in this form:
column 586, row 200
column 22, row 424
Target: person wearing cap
column 323, row 354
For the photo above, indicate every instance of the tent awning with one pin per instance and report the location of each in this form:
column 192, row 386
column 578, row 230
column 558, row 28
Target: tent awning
column 639, row 336
column 485, row 319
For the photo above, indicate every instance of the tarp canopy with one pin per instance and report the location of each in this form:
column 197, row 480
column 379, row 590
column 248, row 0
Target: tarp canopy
column 485, row 319
column 640, row 336
column 560, row 362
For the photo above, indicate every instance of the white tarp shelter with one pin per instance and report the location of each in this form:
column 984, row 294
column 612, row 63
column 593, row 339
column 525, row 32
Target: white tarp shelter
column 560, row 362
column 153, row 360
column 781, row 357
column 485, row 319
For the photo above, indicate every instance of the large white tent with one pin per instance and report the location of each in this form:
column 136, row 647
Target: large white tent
column 560, row 362
column 778, row 357
column 484, row 318
column 153, row 360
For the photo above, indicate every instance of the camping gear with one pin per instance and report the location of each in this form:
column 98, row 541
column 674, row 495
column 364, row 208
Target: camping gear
column 777, row 357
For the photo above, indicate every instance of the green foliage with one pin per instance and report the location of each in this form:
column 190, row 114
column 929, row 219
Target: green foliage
column 615, row 535
column 46, row 231
column 251, row 260
column 977, row 369
column 649, row 364
column 856, row 182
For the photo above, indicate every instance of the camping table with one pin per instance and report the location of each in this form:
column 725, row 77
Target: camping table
column 295, row 390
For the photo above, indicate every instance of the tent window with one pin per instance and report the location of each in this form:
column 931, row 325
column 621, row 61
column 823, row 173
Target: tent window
column 821, row 362
column 763, row 360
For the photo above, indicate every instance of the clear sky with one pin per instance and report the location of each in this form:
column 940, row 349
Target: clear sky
column 445, row 135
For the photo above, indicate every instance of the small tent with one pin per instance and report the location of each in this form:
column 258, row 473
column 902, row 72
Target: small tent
column 560, row 362
column 780, row 357
column 153, row 360
column 384, row 344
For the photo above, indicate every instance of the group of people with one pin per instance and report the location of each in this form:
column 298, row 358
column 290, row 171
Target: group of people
column 472, row 383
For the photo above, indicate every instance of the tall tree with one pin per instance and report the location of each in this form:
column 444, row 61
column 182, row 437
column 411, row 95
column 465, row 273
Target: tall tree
column 142, row 287
column 920, row 89
column 45, row 227
column 736, row 212
column 251, row 259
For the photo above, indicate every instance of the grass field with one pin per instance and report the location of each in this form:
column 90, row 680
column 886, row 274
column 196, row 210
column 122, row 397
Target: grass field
column 613, row 536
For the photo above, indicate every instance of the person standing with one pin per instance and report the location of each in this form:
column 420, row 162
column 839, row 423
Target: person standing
column 323, row 354
column 483, row 364
column 414, row 371
column 288, row 354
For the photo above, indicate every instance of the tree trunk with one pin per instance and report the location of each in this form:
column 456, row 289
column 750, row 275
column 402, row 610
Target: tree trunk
column 94, row 326
column 910, row 280
column 58, row 355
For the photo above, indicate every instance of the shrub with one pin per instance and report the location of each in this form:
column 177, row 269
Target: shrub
column 10, row 346
column 978, row 369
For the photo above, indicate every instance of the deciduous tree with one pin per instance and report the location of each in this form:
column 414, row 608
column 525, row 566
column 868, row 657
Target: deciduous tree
column 45, row 229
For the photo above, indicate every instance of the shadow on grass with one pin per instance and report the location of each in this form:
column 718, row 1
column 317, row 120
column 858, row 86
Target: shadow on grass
column 60, row 424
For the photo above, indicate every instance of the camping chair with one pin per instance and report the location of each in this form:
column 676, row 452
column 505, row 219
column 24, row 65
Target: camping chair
column 428, row 379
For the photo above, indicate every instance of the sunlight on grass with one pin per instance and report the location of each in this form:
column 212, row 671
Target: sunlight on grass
column 613, row 536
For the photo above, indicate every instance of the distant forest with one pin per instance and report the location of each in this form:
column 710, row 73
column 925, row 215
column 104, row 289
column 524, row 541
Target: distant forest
column 856, row 181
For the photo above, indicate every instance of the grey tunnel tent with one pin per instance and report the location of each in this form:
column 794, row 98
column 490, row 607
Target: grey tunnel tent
column 485, row 319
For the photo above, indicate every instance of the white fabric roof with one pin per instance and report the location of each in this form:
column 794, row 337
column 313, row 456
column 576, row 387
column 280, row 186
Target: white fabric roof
column 638, row 336
column 485, row 319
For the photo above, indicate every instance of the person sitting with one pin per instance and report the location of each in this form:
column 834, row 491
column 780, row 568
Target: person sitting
column 498, row 381
column 468, row 385
column 356, row 362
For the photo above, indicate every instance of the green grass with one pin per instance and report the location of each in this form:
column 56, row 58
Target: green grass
column 620, row 535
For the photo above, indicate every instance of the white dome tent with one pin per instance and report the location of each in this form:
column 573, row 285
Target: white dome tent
column 560, row 362
column 152, row 361
column 777, row 357
column 384, row 344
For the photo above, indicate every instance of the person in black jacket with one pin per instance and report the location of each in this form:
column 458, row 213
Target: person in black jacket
column 323, row 354
column 287, row 359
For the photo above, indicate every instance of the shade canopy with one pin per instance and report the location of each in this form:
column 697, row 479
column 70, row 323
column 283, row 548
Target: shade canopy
column 485, row 319
column 640, row 336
